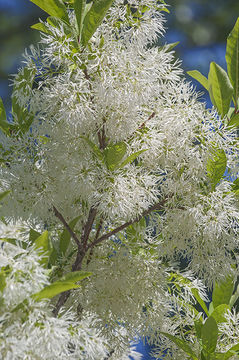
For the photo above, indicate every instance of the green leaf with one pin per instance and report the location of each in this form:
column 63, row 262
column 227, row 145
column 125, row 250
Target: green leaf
column 94, row 147
column 113, row 154
column 135, row 232
column 220, row 89
column 234, row 350
column 209, row 335
column 65, row 236
column 2, row 281
column 3, row 194
column 199, row 77
column 64, row 284
column 43, row 244
column 234, row 121
column 131, row 158
column 54, row 289
column 216, row 166
column 93, row 19
column 33, row 235
column 75, row 276
column 4, row 124
column 15, row 242
column 195, row 293
column 198, row 327
column 234, row 297
column 232, row 59
column 182, row 345
column 222, row 292
column 41, row 27
column 219, row 312
column 79, row 7
column 53, row 7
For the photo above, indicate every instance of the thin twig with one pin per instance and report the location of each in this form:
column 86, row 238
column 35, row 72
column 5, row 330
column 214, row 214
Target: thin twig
column 158, row 206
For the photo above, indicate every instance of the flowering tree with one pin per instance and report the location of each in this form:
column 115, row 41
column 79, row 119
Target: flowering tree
column 115, row 171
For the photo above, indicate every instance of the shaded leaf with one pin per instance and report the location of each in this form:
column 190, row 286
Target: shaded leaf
column 3, row 194
column 131, row 158
column 4, row 124
column 43, row 244
column 94, row 147
column 216, row 166
column 195, row 293
column 220, row 89
column 209, row 334
column 2, row 281
column 234, row 121
column 65, row 236
column 33, row 235
column 182, row 345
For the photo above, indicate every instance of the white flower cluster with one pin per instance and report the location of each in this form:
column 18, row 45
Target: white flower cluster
column 31, row 331
column 117, row 129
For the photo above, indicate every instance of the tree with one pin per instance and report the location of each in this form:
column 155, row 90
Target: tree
column 117, row 170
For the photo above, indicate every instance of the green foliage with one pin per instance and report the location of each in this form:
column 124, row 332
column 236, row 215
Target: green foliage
column 4, row 124
column 199, row 77
column 113, row 154
column 222, row 292
column 80, row 8
column 216, row 166
column 53, row 7
column 220, row 89
column 182, row 345
column 43, row 244
column 68, row 282
column 94, row 18
column 3, row 194
column 232, row 59
column 65, row 236
column 209, row 334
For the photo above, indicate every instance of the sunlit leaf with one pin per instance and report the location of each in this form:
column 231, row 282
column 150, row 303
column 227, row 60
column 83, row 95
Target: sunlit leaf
column 93, row 19
column 220, row 89
column 199, row 77
column 232, row 58
column 222, row 291
column 219, row 313
column 53, row 8
column 41, row 27
column 113, row 154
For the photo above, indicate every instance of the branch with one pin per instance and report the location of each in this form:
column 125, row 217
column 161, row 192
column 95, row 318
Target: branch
column 88, row 226
column 72, row 233
column 158, row 206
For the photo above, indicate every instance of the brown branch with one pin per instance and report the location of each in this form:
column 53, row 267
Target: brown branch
column 158, row 206
column 149, row 118
column 72, row 233
column 88, row 226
